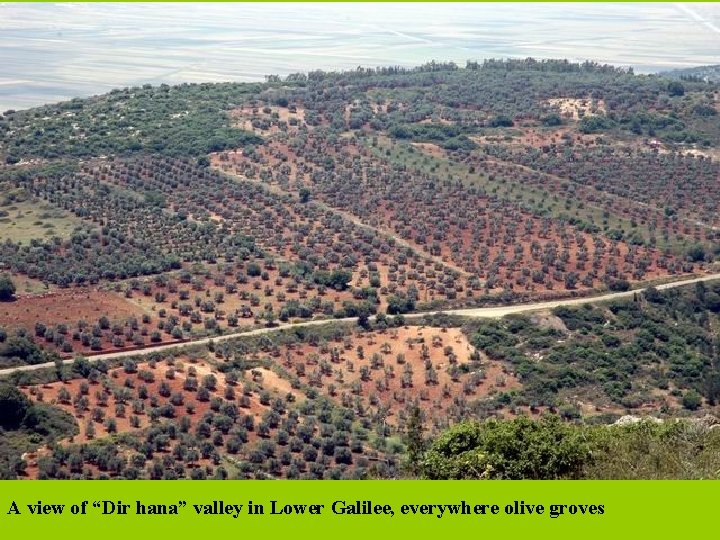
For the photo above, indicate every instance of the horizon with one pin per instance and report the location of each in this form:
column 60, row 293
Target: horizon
column 58, row 52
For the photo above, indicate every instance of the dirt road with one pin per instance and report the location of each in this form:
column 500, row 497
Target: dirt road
column 477, row 313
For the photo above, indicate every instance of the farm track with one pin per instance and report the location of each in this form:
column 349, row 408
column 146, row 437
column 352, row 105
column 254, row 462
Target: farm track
column 474, row 313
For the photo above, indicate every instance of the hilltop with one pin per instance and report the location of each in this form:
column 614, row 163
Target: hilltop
column 709, row 73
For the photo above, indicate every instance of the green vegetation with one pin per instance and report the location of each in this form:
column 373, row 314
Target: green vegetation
column 550, row 449
column 508, row 90
column 19, row 349
column 337, row 279
column 24, row 218
column 448, row 137
column 695, row 74
column 24, row 427
column 655, row 349
column 7, row 288
column 13, row 407
column 522, row 449
column 185, row 120
column 537, row 179
column 535, row 199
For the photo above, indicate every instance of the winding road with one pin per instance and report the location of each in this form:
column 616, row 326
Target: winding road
column 476, row 313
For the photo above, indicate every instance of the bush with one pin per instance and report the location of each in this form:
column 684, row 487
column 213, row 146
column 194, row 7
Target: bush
column 692, row 400
column 7, row 288
column 517, row 449
column 13, row 406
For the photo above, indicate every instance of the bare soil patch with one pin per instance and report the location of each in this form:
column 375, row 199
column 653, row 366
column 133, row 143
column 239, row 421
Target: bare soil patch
column 576, row 109
column 65, row 307
column 386, row 371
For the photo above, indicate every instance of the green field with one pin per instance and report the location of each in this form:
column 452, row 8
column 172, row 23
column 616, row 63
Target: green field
column 24, row 218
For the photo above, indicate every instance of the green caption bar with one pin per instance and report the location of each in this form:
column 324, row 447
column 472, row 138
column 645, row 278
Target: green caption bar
column 303, row 509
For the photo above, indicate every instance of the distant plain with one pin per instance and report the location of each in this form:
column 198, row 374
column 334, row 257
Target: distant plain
column 52, row 52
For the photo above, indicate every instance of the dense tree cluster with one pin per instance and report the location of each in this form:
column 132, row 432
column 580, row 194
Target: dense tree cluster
column 548, row 449
column 18, row 348
column 652, row 350
column 24, row 424
column 180, row 120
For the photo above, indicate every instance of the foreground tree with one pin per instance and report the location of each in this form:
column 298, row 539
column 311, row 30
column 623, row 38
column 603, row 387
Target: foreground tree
column 514, row 450
column 13, row 406
column 415, row 439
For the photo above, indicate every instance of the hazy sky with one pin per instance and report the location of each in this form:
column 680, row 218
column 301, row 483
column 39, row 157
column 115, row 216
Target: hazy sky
column 50, row 52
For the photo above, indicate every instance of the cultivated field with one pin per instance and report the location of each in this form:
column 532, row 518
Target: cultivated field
column 180, row 214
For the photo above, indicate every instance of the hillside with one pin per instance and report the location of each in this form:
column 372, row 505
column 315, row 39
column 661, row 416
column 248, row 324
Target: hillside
column 163, row 215
column 709, row 73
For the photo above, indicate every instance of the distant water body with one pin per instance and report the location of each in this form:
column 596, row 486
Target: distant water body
column 52, row 52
